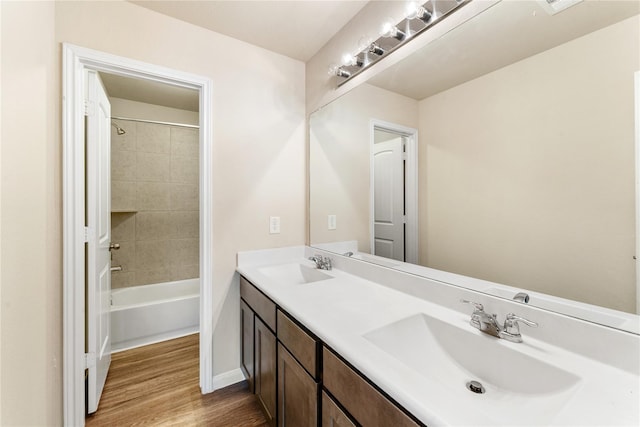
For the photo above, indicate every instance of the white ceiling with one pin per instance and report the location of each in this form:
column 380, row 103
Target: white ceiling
column 150, row 92
column 295, row 28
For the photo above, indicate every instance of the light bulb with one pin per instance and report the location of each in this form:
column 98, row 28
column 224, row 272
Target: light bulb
column 333, row 69
column 348, row 59
column 336, row 70
column 411, row 11
column 389, row 29
column 415, row 10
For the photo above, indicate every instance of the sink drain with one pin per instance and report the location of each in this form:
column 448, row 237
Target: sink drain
column 475, row 387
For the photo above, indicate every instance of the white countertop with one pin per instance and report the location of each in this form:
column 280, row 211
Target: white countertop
column 341, row 310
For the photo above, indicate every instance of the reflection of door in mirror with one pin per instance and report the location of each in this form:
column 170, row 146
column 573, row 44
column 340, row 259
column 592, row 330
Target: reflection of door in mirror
column 388, row 195
column 526, row 156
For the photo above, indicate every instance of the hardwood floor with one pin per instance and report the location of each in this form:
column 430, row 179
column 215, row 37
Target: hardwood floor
column 157, row 385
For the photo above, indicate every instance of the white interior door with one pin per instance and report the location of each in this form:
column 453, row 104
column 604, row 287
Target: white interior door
column 388, row 199
column 98, row 173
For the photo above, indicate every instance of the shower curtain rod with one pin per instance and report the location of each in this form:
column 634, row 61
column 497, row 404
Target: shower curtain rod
column 156, row 122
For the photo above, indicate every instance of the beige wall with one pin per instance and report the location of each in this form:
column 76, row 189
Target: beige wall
column 154, row 203
column 258, row 126
column 30, row 373
column 529, row 173
column 339, row 168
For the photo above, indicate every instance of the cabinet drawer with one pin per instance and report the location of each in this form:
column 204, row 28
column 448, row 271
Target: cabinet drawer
column 303, row 347
column 332, row 416
column 366, row 404
column 262, row 305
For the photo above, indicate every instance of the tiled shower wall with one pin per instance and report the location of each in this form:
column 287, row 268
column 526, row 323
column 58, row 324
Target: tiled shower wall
column 154, row 203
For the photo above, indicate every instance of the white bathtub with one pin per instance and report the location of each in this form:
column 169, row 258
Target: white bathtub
column 149, row 314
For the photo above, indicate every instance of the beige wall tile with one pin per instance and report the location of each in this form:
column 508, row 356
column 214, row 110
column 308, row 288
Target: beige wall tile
column 153, row 225
column 153, row 138
column 184, row 142
column 153, row 196
column 124, row 256
column 123, row 195
column 153, row 255
column 150, row 277
column 123, row 165
column 123, row 227
column 184, row 252
column 183, row 272
column 121, row 279
column 153, row 167
column 184, row 197
column 185, row 170
column 184, row 224
column 126, row 142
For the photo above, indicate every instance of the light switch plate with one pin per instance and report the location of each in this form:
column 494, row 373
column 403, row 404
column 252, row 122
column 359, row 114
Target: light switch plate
column 331, row 223
column 274, row 225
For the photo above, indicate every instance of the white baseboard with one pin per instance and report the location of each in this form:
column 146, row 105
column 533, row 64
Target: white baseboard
column 227, row 378
column 139, row 342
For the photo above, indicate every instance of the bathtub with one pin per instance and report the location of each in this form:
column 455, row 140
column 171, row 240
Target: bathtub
column 149, row 314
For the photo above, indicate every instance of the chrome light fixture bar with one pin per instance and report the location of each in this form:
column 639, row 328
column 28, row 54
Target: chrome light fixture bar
column 418, row 18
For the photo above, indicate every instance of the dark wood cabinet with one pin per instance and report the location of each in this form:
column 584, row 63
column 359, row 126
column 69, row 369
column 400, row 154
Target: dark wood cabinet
column 365, row 404
column 332, row 415
column 297, row 393
column 246, row 350
column 265, row 370
column 287, row 366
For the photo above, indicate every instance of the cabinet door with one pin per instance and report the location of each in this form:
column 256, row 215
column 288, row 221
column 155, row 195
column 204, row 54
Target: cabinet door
column 265, row 370
column 247, row 325
column 297, row 393
column 332, row 416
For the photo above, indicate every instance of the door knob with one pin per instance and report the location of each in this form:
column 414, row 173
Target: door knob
column 114, row 246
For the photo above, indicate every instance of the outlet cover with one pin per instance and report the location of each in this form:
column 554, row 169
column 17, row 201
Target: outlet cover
column 331, row 223
column 274, row 225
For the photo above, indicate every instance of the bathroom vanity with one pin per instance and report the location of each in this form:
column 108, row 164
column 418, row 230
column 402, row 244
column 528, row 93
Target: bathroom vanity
column 362, row 344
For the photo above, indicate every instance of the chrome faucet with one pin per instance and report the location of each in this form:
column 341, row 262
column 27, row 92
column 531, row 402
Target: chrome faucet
column 482, row 320
column 322, row 263
column 511, row 330
column 488, row 323
column 521, row 297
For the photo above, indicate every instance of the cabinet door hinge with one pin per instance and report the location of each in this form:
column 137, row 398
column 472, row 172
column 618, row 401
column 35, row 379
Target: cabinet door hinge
column 86, row 234
column 89, row 108
column 89, row 360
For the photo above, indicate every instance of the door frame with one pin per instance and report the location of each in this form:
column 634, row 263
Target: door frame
column 75, row 60
column 410, row 185
column 636, row 79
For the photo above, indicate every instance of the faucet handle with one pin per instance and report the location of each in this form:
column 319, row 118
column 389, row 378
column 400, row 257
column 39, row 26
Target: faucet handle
column 511, row 329
column 513, row 319
column 476, row 305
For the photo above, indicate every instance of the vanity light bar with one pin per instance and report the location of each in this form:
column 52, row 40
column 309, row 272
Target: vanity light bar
column 418, row 19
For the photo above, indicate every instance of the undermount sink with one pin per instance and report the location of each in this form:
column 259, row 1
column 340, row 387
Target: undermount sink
column 294, row 274
column 454, row 355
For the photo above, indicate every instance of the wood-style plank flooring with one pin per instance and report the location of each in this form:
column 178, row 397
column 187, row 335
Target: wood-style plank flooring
column 157, row 385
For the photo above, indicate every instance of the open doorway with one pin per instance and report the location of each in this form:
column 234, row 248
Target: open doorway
column 79, row 64
column 393, row 199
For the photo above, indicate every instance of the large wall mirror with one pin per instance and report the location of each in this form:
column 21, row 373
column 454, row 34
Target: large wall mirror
column 504, row 151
